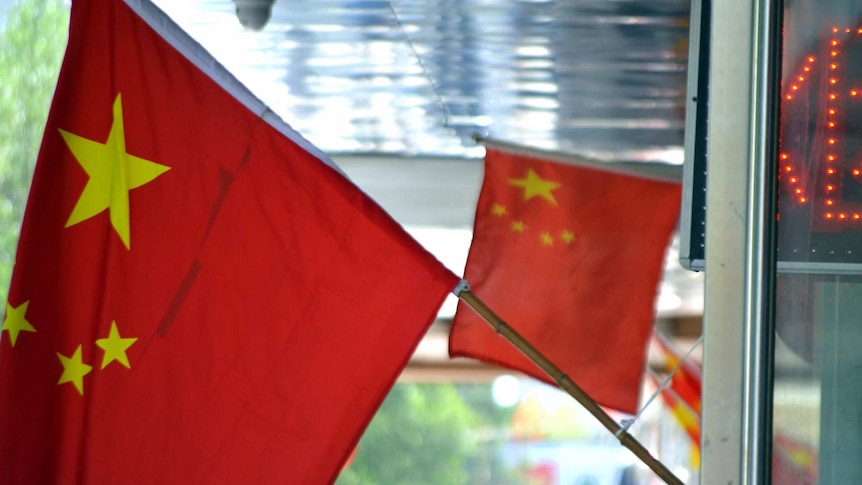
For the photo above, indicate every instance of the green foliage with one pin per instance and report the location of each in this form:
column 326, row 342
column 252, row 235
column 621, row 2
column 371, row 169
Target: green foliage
column 431, row 434
column 32, row 42
column 419, row 436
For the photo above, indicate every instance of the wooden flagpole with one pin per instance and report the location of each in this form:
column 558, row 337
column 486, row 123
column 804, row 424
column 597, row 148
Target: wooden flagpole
column 568, row 385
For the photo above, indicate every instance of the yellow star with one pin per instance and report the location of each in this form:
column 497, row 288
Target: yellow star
column 567, row 236
column 533, row 186
column 16, row 321
column 115, row 347
column 518, row 226
column 74, row 370
column 113, row 173
column 498, row 210
column 800, row 457
column 547, row 239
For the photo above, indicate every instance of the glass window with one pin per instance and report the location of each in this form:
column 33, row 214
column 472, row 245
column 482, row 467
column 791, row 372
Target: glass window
column 817, row 390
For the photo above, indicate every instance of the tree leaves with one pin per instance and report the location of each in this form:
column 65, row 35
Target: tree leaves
column 32, row 41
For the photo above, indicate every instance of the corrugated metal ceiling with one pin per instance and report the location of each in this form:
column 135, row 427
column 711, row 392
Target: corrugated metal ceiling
column 419, row 77
column 394, row 91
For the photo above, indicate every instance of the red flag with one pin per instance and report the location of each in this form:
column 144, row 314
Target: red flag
column 793, row 460
column 198, row 297
column 686, row 416
column 571, row 258
column 686, row 381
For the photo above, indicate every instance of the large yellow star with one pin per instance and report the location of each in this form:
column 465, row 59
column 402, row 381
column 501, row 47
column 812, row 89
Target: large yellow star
column 113, row 173
column 115, row 347
column 533, row 186
column 16, row 321
column 74, row 370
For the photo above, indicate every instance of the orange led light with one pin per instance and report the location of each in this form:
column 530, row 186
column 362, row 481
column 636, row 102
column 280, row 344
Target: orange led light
column 829, row 215
column 833, row 81
column 853, row 92
column 829, row 202
column 803, row 200
column 831, row 141
column 834, row 42
column 830, row 188
column 784, row 157
column 794, row 87
column 834, row 29
column 801, row 78
column 833, row 53
column 806, row 69
column 842, row 216
column 833, row 96
column 798, row 191
column 856, row 216
column 830, row 158
column 810, row 58
column 832, row 111
column 856, row 172
column 788, row 168
column 847, row 30
column 793, row 180
column 830, row 171
column 831, row 124
column 789, row 97
column 833, row 66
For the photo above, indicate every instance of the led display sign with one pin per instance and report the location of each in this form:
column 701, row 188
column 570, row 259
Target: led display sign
column 820, row 153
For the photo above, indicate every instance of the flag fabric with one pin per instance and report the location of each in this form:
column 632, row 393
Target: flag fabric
column 571, row 258
column 199, row 295
column 686, row 381
column 683, row 393
column 685, row 415
column 793, row 460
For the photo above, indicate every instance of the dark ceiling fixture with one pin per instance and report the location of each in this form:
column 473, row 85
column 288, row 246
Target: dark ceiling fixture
column 253, row 14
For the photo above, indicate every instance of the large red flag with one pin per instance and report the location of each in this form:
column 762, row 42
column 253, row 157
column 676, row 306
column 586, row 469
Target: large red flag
column 571, row 258
column 198, row 296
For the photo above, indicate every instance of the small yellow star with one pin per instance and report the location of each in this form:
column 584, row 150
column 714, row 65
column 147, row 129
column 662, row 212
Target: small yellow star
column 800, row 457
column 518, row 226
column 498, row 210
column 74, row 370
column 16, row 321
column 115, row 347
column 113, row 173
column 547, row 239
column 567, row 236
column 533, row 186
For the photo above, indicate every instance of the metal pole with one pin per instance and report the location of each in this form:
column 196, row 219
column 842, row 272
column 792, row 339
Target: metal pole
column 759, row 245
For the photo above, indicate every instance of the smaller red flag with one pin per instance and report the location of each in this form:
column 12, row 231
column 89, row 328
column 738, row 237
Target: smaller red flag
column 686, row 381
column 685, row 415
column 571, row 258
